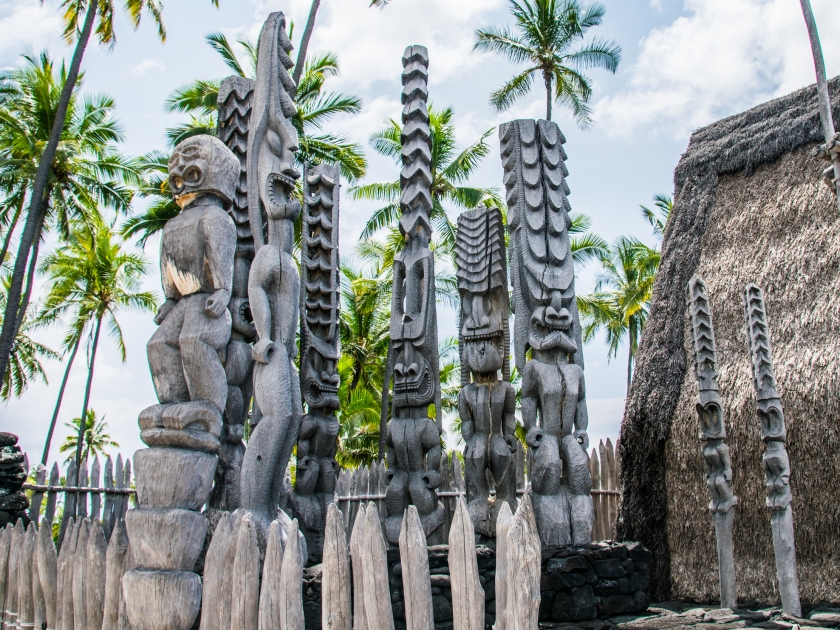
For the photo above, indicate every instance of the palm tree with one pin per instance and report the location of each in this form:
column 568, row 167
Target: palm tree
column 94, row 436
column 25, row 360
column 87, row 172
column 92, row 276
column 450, row 171
column 657, row 218
column 547, row 32
column 619, row 303
column 315, row 107
column 76, row 28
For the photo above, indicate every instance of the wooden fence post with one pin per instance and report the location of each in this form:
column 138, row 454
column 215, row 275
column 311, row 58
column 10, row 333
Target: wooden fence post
column 5, row 544
column 108, row 503
column 467, row 594
column 95, row 499
column 70, row 478
column 226, row 579
column 25, row 609
column 10, row 616
column 245, row 595
column 214, row 570
column 97, row 551
column 38, row 495
column 52, row 495
column 502, row 564
column 336, row 611
column 79, row 570
column 375, row 568
column 524, row 568
column 612, row 486
column 595, row 474
column 356, row 562
column 417, row 587
column 291, row 581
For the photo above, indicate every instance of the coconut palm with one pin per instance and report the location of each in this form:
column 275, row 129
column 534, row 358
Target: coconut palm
column 87, row 172
column 659, row 216
column 619, row 303
column 93, row 279
column 549, row 36
column 450, row 172
column 315, row 107
column 95, row 437
column 80, row 17
column 25, row 360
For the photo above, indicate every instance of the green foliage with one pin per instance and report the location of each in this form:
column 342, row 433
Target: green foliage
column 450, row 171
column 95, row 440
column 548, row 36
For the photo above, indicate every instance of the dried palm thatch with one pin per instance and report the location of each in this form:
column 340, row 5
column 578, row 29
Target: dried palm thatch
column 749, row 207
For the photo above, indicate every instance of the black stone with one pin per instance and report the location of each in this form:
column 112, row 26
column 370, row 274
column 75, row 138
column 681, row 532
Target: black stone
column 565, row 565
column 546, row 602
column 642, row 567
column 616, row 605
column 312, row 615
column 606, row 587
column 620, row 551
column 638, row 553
column 641, row 601
column 566, row 581
column 398, row 608
column 440, row 581
column 8, row 439
column 639, row 582
column 14, row 502
column 610, row 569
column 577, row 605
column 624, row 585
column 628, row 565
column 441, row 609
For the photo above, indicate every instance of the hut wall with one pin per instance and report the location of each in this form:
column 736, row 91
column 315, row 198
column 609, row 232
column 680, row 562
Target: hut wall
column 778, row 228
column 748, row 206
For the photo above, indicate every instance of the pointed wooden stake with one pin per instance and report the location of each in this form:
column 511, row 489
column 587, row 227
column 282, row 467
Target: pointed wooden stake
column 335, row 589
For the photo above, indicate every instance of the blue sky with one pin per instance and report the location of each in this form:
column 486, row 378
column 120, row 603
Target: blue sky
column 685, row 64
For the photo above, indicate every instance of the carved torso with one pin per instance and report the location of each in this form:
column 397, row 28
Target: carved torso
column 557, row 389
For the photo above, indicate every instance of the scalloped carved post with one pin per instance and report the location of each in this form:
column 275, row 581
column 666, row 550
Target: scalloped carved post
column 712, row 434
column 771, row 417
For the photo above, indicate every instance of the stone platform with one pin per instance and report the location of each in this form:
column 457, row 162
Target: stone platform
column 681, row 615
column 579, row 584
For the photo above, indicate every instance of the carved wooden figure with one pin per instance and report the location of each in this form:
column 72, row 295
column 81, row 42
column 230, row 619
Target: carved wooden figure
column 319, row 341
column 413, row 438
column 273, row 284
column 487, row 403
column 174, row 476
column 713, row 433
column 771, row 416
column 542, row 273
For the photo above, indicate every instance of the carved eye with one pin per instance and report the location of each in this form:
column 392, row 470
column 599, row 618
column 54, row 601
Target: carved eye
column 178, row 182
column 192, row 175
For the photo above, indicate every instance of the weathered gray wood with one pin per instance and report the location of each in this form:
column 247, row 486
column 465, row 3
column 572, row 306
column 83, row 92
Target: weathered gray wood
column 502, row 564
column 95, row 499
column 116, row 560
column 467, row 594
column 26, row 609
column 10, row 617
column 63, row 586
column 214, row 570
column 52, row 495
column 37, row 496
column 119, row 482
column 270, row 593
column 126, row 485
column 70, row 479
column 82, row 497
column 161, row 600
column 357, row 554
column 414, row 558
column 5, row 544
column 226, row 578
column 595, row 473
column 39, row 607
column 108, row 504
column 47, row 563
column 612, row 485
column 97, row 551
column 375, row 570
column 336, row 606
column 524, row 565
column 291, row 581
column 79, row 568
column 246, row 584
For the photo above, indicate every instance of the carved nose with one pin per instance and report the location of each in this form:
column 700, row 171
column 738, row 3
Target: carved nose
column 330, row 379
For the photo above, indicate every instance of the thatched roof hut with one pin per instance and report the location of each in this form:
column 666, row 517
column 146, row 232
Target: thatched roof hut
column 749, row 207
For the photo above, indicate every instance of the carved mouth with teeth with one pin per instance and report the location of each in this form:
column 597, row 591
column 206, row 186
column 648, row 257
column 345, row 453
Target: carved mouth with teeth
column 321, row 395
column 414, row 390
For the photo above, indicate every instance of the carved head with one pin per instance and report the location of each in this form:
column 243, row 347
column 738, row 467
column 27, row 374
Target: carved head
column 551, row 329
column 203, row 165
column 484, row 356
column 772, row 419
column 711, row 415
column 413, row 386
column 319, row 379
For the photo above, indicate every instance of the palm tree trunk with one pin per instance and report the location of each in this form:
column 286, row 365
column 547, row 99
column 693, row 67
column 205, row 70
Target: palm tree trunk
column 631, row 343
column 8, row 238
column 383, row 417
column 304, row 41
column 38, row 202
column 83, row 422
column 548, row 99
column 58, row 402
column 823, row 98
column 30, row 282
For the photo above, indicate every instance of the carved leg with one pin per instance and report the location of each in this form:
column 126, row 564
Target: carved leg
column 202, row 338
column 504, row 473
column 165, row 358
column 475, row 473
column 396, row 501
column 580, row 488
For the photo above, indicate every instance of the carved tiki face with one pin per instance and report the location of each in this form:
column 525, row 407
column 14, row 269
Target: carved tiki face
column 320, row 379
column 711, row 415
column 413, row 385
column 203, row 165
column 551, row 327
column 772, row 419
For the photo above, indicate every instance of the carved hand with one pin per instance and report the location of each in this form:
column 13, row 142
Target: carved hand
column 511, row 442
column 583, row 438
column 164, row 310
column 262, row 349
column 217, row 303
column 534, row 437
column 432, row 479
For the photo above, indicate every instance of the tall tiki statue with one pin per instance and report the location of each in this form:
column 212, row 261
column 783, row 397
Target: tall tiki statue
column 319, row 348
column 175, row 474
column 274, row 283
column 486, row 404
column 413, row 438
column 543, row 278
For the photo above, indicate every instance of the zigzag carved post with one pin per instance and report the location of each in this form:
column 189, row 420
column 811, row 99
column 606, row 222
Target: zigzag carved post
column 713, row 434
column 775, row 459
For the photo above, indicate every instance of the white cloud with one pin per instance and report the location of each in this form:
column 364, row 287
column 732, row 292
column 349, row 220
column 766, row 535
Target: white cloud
column 718, row 58
column 28, row 25
column 147, row 65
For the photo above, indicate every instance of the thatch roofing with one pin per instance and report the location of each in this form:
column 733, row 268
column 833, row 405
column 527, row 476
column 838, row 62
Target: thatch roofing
column 749, row 206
